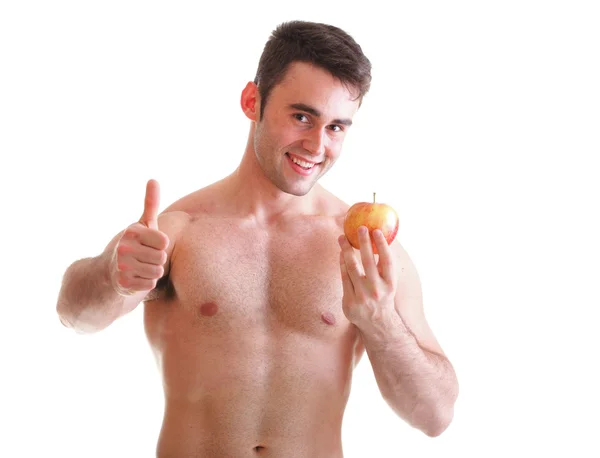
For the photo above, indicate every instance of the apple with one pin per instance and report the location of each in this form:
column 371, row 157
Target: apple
column 373, row 215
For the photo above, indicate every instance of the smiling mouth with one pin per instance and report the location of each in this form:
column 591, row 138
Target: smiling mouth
column 302, row 163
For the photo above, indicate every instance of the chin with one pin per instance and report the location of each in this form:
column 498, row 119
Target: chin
column 296, row 190
column 294, row 186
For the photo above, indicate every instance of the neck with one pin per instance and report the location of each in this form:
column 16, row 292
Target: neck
column 255, row 196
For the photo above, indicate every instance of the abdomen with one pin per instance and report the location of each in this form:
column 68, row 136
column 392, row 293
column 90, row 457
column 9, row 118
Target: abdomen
column 249, row 387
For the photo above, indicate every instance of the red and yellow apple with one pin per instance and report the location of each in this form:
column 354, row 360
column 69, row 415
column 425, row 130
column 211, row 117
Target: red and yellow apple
column 373, row 215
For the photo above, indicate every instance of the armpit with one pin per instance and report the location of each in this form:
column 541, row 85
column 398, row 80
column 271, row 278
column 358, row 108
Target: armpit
column 164, row 290
column 153, row 295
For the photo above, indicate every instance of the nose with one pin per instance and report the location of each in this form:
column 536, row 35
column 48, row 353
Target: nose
column 315, row 142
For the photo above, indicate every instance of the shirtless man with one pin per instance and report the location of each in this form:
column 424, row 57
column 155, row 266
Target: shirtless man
column 255, row 305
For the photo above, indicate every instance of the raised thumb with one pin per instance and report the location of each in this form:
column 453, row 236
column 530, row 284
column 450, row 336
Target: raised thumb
column 151, row 203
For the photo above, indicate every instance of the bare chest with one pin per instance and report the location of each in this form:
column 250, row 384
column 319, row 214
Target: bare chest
column 230, row 278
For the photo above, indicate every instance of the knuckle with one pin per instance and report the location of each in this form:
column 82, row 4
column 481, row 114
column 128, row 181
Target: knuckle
column 131, row 233
column 164, row 242
column 159, row 271
column 353, row 267
column 121, row 248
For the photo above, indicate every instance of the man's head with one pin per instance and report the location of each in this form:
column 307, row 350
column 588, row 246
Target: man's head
column 321, row 45
column 310, row 82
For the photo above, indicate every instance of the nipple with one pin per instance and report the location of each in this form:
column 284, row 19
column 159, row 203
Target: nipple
column 328, row 318
column 208, row 309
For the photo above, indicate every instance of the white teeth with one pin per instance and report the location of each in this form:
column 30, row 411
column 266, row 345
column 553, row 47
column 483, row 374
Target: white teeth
column 300, row 162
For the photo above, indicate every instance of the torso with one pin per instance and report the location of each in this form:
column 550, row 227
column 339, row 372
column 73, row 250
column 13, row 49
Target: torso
column 255, row 352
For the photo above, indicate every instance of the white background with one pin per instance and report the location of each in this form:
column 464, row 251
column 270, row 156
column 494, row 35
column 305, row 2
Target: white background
column 482, row 129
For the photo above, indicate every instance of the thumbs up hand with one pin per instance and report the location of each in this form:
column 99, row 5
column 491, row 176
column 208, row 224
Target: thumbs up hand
column 139, row 257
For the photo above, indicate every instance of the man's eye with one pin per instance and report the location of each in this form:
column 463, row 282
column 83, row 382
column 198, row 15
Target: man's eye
column 336, row 128
column 301, row 117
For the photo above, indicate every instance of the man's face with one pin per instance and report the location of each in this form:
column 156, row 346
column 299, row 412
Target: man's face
column 303, row 127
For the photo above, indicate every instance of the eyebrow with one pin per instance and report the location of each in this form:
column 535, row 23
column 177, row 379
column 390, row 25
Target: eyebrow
column 316, row 113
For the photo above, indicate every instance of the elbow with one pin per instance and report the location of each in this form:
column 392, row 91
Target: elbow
column 441, row 413
column 62, row 315
column 64, row 321
column 439, row 422
column 433, row 418
column 77, row 325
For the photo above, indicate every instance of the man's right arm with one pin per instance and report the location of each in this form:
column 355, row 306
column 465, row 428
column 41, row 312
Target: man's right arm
column 88, row 300
column 96, row 291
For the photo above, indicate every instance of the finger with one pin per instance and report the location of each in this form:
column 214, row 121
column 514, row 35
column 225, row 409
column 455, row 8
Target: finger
column 348, row 287
column 366, row 254
column 386, row 261
column 152, row 256
column 353, row 266
column 151, row 202
column 154, row 239
column 148, row 271
column 127, row 286
column 149, row 237
column 136, row 269
column 143, row 254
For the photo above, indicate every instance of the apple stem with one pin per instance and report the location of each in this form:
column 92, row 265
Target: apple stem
column 373, row 197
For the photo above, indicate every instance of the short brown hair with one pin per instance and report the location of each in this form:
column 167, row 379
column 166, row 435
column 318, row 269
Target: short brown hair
column 323, row 45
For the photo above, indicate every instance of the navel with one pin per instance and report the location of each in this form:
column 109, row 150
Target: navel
column 328, row 318
column 208, row 309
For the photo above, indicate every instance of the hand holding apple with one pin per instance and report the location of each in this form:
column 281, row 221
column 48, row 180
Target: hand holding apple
column 369, row 284
column 373, row 215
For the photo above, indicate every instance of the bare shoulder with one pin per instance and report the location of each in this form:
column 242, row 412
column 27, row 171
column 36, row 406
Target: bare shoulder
column 332, row 206
column 174, row 221
column 179, row 215
column 190, row 204
column 202, row 202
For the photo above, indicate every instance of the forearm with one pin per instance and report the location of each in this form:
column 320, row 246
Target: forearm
column 419, row 385
column 87, row 301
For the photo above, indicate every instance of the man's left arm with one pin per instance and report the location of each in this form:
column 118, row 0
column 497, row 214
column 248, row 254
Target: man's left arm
column 412, row 372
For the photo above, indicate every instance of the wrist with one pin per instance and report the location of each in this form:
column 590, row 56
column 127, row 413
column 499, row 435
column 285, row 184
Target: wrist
column 385, row 329
column 110, row 271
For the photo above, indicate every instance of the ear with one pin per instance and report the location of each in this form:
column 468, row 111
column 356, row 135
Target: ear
column 250, row 101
